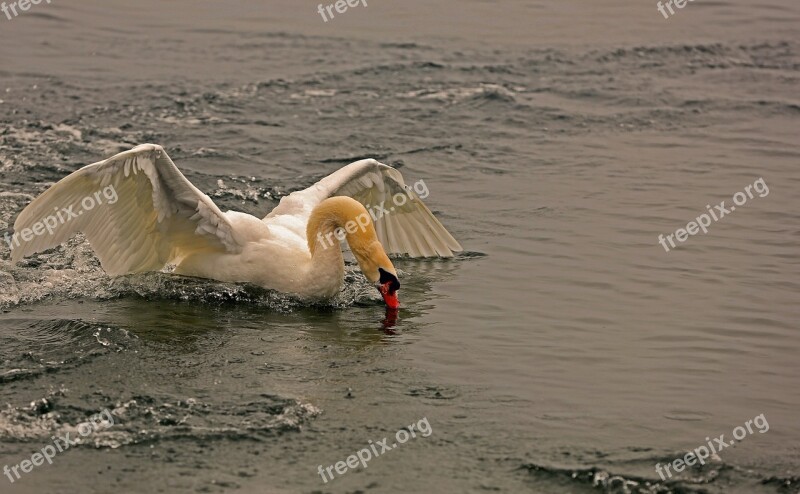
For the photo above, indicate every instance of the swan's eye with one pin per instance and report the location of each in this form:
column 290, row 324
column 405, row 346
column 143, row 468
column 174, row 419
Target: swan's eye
column 390, row 279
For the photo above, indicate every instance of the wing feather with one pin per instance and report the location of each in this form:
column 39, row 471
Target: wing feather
column 407, row 228
column 145, row 214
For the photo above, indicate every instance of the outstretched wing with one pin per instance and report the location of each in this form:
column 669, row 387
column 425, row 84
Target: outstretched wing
column 137, row 210
column 402, row 221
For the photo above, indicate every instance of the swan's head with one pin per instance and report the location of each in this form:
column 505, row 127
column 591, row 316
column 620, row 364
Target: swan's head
column 378, row 269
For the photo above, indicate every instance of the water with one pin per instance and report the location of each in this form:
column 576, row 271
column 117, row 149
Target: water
column 564, row 351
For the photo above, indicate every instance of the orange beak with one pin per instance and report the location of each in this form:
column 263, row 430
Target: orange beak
column 389, row 295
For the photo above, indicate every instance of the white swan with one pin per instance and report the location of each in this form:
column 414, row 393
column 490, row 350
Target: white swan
column 158, row 218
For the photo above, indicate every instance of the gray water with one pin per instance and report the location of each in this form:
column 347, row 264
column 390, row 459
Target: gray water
column 565, row 351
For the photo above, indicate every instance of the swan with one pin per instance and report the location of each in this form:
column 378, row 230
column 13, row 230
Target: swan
column 140, row 213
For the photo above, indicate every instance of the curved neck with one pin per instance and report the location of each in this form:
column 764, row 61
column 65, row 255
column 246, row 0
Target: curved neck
column 336, row 219
column 339, row 218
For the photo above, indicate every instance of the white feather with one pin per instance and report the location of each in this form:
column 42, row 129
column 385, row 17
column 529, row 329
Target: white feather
column 119, row 232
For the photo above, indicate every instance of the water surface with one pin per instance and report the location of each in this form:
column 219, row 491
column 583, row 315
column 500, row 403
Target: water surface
column 563, row 351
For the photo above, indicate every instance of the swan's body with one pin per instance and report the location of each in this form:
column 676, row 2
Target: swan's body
column 159, row 218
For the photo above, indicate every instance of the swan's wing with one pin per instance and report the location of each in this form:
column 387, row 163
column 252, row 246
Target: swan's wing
column 402, row 221
column 137, row 210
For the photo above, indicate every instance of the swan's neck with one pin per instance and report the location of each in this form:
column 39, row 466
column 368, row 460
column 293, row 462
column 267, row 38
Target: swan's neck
column 326, row 271
column 339, row 218
column 343, row 216
column 333, row 220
